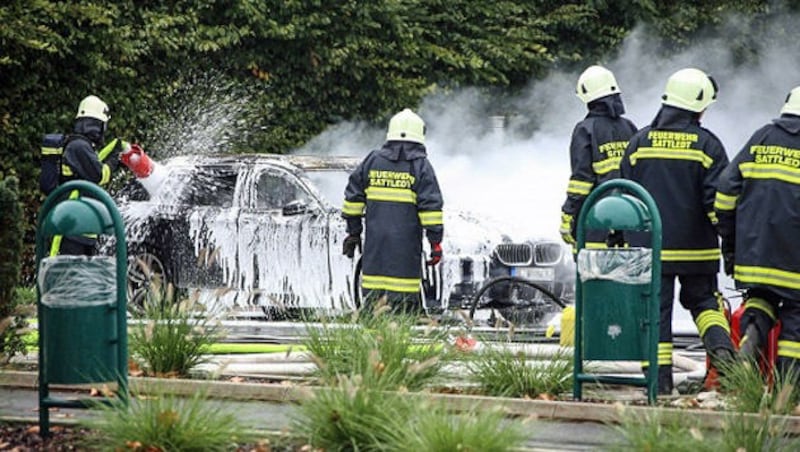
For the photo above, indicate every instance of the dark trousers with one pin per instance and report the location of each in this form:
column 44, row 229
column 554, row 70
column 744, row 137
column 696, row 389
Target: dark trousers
column 398, row 302
column 788, row 312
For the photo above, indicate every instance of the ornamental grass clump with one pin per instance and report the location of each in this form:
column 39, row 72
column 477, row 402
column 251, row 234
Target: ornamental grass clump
column 506, row 373
column 748, row 389
column 163, row 422
column 389, row 350
column 355, row 415
column 173, row 335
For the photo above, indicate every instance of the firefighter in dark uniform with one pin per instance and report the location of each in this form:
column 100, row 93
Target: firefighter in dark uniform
column 679, row 162
column 396, row 190
column 598, row 143
column 759, row 221
column 86, row 156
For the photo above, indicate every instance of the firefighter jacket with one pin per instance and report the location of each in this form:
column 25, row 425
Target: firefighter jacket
column 396, row 191
column 758, row 210
column 597, row 145
column 80, row 160
column 679, row 162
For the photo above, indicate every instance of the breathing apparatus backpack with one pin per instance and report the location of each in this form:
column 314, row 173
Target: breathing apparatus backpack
column 53, row 145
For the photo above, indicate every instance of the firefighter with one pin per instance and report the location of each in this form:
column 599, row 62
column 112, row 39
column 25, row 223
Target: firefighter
column 395, row 189
column 86, row 156
column 759, row 221
column 679, row 162
column 598, row 142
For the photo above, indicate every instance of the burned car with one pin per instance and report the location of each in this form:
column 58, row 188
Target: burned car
column 263, row 234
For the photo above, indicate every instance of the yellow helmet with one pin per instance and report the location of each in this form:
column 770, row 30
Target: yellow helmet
column 406, row 126
column 93, row 107
column 690, row 89
column 792, row 105
column 596, row 82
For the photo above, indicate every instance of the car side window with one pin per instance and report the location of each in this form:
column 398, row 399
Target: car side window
column 274, row 191
column 211, row 187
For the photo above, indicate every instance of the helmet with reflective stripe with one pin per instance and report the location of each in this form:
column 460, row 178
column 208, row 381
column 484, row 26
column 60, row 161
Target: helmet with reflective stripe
column 406, row 126
column 93, row 107
column 690, row 89
column 596, row 82
column 792, row 105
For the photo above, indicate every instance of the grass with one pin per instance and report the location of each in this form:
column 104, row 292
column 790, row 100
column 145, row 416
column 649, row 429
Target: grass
column 356, row 415
column 383, row 348
column 173, row 336
column 504, row 373
column 747, row 390
column 165, row 422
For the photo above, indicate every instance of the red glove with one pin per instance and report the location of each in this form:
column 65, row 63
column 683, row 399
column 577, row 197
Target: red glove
column 135, row 159
column 436, row 253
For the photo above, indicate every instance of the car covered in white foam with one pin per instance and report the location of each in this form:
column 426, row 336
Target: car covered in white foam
column 263, row 233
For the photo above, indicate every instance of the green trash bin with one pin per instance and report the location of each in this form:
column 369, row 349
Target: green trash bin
column 617, row 289
column 79, row 319
column 81, row 308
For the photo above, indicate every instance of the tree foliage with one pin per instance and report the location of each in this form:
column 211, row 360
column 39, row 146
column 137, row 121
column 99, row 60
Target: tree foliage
column 302, row 64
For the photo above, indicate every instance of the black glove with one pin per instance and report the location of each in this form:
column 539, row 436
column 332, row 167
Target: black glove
column 351, row 242
column 615, row 239
column 728, row 256
column 112, row 161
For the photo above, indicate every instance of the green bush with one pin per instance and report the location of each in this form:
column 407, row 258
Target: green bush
column 173, row 334
column 504, row 373
column 163, row 422
column 384, row 348
column 11, row 232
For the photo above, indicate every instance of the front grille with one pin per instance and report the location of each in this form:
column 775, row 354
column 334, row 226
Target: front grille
column 548, row 253
column 514, row 254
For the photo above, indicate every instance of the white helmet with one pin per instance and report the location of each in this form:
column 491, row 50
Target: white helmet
column 690, row 89
column 596, row 82
column 93, row 107
column 406, row 126
column 792, row 105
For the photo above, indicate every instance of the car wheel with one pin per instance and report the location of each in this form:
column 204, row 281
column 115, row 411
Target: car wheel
column 147, row 277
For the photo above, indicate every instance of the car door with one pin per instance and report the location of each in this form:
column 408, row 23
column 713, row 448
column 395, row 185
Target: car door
column 205, row 248
column 283, row 241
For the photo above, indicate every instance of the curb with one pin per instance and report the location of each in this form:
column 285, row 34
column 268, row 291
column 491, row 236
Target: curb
column 607, row 413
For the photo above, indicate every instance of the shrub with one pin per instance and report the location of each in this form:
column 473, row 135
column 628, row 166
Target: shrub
column 747, row 389
column 505, row 373
column 382, row 348
column 165, row 422
column 11, row 232
column 173, row 336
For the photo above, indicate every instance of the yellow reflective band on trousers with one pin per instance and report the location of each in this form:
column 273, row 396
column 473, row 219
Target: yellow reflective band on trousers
column 789, row 349
column 579, row 187
column 710, row 318
column 408, row 285
column 725, row 202
column 391, row 194
column 66, row 170
column 710, row 254
column 752, row 170
column 767, row 275
column 606, row 166
column 353, row 209
column 46, row 150
column 693, row 155
column 760, row 304
column 431, row 218
column 664, row 355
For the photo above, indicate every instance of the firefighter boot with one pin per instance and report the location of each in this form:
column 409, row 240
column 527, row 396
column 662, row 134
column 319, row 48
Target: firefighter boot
column 719, row 348
column 751, row 344
column 665, row 380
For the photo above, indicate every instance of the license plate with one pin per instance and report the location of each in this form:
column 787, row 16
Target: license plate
column 537, row 274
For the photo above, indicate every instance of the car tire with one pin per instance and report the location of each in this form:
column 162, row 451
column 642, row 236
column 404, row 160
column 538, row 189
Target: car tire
column 147, row 277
